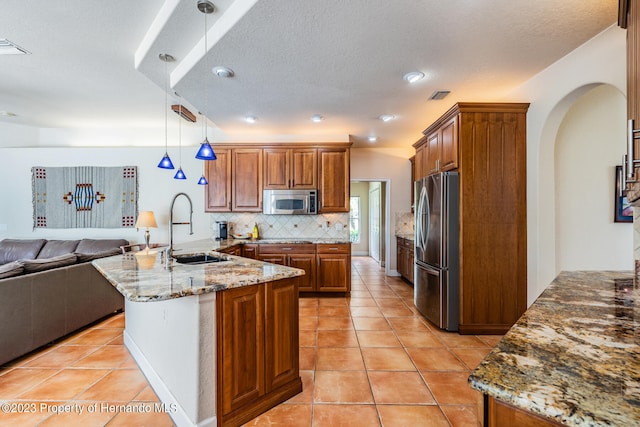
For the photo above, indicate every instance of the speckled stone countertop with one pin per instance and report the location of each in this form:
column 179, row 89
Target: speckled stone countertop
column 287, row 240
column 142, row 276
column 574, row 356
column 407, row 236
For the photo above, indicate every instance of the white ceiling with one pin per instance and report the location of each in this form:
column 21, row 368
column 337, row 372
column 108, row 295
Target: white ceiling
column 95, row 63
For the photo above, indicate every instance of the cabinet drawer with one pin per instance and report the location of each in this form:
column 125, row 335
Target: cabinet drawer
column 278, row 248
column 339, row 248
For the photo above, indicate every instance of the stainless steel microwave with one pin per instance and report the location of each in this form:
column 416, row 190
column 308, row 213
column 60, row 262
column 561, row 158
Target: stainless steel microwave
column 290, row 202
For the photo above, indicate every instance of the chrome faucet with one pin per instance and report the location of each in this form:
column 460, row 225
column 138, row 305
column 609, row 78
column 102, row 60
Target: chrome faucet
column 171, row 223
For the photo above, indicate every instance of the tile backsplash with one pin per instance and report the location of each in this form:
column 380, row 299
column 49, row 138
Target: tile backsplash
column 404, row 223
column 335, row 226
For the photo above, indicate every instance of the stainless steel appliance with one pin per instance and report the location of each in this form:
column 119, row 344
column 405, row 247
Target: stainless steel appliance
column 290, row 202
column 437, row 265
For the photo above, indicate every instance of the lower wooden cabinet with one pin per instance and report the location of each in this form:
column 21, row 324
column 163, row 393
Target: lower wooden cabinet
column 501, row 414
column 250, row 251
column 302, row 256
column 334, row 267
column 232, row 250
column 257, row 351
column 405, row 261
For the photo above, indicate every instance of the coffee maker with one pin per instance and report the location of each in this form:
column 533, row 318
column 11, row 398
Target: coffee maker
column 222, row 230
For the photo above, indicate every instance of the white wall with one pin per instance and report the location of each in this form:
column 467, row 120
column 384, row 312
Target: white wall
column 601, row 60
column 156, row 189
column 380, row 164
column 588, row 146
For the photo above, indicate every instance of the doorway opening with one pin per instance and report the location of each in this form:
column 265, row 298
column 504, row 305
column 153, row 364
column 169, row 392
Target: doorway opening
column 369, row 219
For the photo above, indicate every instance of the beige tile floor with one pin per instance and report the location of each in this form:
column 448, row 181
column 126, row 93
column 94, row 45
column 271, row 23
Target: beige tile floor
column 367, row 360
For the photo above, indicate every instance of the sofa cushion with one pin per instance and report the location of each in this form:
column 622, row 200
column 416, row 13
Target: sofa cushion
column 16, row 249
column 11, row 269
column 54, row 248
column 90, row 249
column 34, row 265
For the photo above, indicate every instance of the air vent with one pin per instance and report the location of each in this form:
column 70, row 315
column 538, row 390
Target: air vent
column 439, row 94
column 10, row 48
column 183, row 112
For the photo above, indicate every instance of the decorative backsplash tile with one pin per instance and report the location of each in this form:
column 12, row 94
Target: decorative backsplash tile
column 404, row 223
column 284, row 226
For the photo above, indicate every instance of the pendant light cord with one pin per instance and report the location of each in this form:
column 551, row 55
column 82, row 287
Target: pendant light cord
column 166, row 84
column 206, row 94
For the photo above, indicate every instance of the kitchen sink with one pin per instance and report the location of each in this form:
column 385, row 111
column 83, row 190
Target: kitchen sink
column 194, row 259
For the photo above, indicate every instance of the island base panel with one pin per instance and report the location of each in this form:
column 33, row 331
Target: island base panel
column 500, row 414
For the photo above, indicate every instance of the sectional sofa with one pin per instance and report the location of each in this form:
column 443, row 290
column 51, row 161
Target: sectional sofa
column 48, row 289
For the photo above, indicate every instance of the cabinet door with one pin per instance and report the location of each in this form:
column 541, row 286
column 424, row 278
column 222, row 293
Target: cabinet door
column 218, row 173
column 232, row 250
column 246, row 186
column 333, row 180
column 281, row 333
column 449, row 145
column 279, row 259
column 276, row 168
column 306, row 262
column 304, row 168
column 250, row 251
column 420, row 162
column 411, row 266
column 432, row 157
column 334, row 274
column 241, row 335
column 400, row 256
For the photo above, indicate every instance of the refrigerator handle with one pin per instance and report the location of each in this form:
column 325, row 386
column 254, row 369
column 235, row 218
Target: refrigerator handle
column 421, row 232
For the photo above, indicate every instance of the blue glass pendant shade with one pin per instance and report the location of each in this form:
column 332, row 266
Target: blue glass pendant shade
column 203, row 181
column 206, row 151
column 179, row 174
column 166, row 163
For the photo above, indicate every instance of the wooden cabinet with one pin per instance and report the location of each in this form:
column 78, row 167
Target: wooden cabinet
column 257, row 351
column 302, row 256
column 232, row 250
column 412, row 161
column 405, row 255
column 235, row 181
column 218, row 191
column 246, row 181
column 420, row 158
column 629, row 18
column 334, row 267
column 489, row 149
column 333, row 180
column 286, row 168
column 501, row 414
column 441, row 147
column 250, row 250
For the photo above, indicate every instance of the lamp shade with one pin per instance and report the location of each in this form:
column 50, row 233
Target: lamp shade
column 180, row 174
column 166, row 162
column 206, row 151
column 203, row 181
column 146, row 219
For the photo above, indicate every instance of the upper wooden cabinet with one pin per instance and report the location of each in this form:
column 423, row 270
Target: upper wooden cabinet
column 246, row 181
column 440, row 151
column 333, row 180
column 240, row 174
column 286, row 168
column 217, row 194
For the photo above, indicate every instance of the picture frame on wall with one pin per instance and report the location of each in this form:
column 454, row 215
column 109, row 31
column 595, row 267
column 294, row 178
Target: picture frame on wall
column 623, row 210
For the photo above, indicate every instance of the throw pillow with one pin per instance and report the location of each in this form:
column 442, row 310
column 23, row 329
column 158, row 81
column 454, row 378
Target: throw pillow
column 34, row 265
column 11, row 269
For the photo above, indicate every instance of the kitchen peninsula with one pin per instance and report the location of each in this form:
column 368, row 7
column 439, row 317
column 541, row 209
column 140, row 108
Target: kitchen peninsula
column 218, row 342
column 572, row 359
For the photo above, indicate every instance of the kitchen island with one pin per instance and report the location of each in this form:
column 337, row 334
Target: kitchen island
column 572, row 359
column 218, row 342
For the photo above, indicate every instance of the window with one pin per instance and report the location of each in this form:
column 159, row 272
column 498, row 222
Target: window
column 354, row 219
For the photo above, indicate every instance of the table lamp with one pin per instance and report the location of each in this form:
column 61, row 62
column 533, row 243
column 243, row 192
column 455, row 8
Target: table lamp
column 147, row 220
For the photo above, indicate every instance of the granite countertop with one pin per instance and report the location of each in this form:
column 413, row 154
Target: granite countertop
column 574, row 356
column 221, row 244
column 141, row 276
column 408, row 236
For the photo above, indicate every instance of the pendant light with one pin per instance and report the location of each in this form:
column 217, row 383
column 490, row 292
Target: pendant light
column 180, row 174
column 206, row 151
column 165, row 163
column 203, row 180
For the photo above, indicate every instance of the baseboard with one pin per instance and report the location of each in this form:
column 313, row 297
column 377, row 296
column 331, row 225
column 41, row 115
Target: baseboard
column 393, row 273
column 359, row 253
column 175, row 411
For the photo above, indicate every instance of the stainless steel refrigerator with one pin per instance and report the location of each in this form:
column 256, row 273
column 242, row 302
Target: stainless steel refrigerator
column 437, row 258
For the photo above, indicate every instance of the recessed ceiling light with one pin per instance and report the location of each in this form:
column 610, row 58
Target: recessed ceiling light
column 223, row 72
column 413, row 76
column 251, row 119
column 317, row 118
column 10, row 48
column 387, row 117
column 373, row 138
